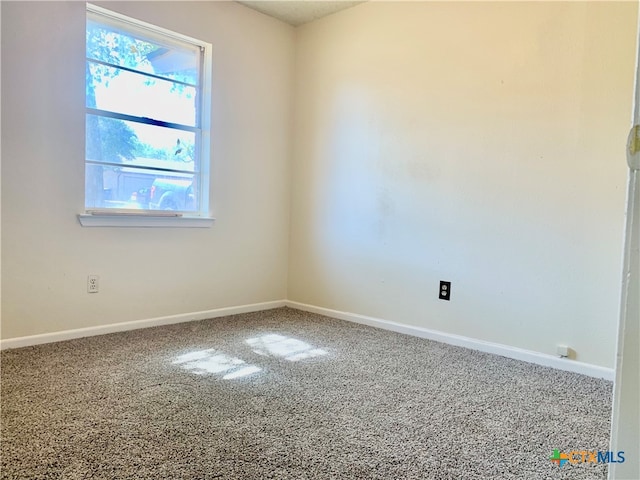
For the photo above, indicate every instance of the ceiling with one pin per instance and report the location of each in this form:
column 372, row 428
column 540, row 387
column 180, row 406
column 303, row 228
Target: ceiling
column 298, row 12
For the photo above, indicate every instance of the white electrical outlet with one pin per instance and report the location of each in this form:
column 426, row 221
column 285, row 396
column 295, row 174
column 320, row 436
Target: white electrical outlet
column 563, row 351
column 93, row 285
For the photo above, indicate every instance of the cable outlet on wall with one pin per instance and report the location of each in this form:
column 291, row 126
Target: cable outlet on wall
column 563, row 351
column 93, row 284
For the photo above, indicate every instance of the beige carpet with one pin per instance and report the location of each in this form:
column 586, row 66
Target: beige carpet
column 285, row 394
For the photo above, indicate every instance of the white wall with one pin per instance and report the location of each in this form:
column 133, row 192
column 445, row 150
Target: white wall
column 144, row 273
column 474, row 142
column 481, row 143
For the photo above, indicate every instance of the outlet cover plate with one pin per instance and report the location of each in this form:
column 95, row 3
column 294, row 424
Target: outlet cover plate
column 445, row 290
column 93, row 285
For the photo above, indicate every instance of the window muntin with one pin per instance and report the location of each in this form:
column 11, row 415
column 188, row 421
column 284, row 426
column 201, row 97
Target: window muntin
column 146, row 137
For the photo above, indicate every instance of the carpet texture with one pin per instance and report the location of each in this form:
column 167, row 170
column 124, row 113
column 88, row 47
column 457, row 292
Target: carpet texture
column 285, row 394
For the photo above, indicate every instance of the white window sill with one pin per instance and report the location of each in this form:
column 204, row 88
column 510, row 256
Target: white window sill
column 144, row 221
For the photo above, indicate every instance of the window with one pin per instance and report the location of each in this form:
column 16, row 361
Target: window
column 147, row 121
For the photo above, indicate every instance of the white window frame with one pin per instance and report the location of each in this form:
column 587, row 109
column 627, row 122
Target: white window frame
column 151, row 218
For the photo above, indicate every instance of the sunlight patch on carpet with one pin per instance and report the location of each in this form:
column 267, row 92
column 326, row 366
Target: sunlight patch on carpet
column 210, row 360
column 290, row 349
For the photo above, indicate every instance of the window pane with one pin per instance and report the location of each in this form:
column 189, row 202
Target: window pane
column 144, row 74
column 112, row 45
column 138, row 144
column 118, row 90
column 139, row 189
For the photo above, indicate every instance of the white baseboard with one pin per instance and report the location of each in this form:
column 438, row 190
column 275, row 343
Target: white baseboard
column 134, row 325
column 443, row 337
column 516, row 353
